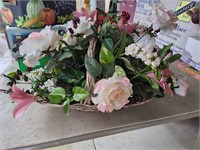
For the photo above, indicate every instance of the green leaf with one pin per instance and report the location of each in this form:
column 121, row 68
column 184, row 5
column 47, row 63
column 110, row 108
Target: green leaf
column 120, row 71
column 66, row 54
column 79, row 94
column 70, row 75
column 57, row 95
column 101, row 12
column 50, row 65
column 109, row 44
column 128, row 64
column 173, row 58
column 123, row 42
column 66, row 106
column 164, row 50
column 93, row 66
column 151, row 81
column 106, row 56
column 108, row 70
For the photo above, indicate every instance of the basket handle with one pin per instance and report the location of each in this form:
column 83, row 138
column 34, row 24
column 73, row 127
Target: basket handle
column 89, row 78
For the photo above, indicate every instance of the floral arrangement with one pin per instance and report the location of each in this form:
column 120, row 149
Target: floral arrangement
column 102, row 60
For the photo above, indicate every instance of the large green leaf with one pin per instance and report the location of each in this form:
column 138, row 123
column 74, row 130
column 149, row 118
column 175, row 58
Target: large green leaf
column 128, row 64
column 93, row 66
column 164, row 50
column 109, row 44
column 70, row 75
column 66, row 54
column 109, row 69
column 79, row 94
column 173, row 58
column 57, row 95
column 106, row 57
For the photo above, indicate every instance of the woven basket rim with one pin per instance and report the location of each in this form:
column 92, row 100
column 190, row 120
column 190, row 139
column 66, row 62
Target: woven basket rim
column 92, row 108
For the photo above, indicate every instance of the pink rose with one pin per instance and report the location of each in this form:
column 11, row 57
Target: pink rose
column 113, row 93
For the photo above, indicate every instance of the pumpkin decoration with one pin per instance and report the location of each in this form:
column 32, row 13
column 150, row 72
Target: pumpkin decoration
column 7, row 15
column 47, row 16
column 34, row 7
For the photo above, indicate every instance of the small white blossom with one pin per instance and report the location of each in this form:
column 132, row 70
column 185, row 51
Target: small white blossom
column 156, row 62
column 148, row 62
column 70, row 40
column 49, row 85
column 133, row 49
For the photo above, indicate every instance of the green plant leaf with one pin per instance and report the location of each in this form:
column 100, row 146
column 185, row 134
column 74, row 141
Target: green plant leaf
column 151, row 81
column 66, row 106
column 66, row 54
column 109, row 44
column 50, row 65
column 106, row 56
column 70, row 75
column 109, row 69
column 79, row 94
column 93, row 66
column 164, row 50
column 120, row 71
column 101, row 12
column 123, row 42
column 173, row 58
column 128, row 64
column 57, row 95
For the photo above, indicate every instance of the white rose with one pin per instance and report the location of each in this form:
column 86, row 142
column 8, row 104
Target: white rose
column 40, row 41
column 32, row 59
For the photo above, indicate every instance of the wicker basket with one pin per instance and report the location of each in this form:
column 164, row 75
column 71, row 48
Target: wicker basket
column 87, row 104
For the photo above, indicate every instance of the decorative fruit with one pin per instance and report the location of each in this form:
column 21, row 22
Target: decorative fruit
column 34, row 7
column 32, row 21
column 7, row 15
column 48, row 16
column 195, row 17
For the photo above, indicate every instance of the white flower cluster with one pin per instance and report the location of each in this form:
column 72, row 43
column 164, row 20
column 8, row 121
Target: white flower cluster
column 145, row 53
column 49, row 85
column 35, row 74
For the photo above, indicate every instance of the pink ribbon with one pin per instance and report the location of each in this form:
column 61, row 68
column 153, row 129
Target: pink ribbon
column 162, row 83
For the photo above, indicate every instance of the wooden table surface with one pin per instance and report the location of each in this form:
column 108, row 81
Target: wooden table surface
column 43, row 127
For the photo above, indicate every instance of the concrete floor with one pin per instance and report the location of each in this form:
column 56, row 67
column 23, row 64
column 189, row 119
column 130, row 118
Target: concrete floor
column 172, row 136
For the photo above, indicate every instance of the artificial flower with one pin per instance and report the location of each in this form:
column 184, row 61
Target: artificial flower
column 84, row 13
column 70, row 40
column 32, row 59
column 22, row 99
column 163, row 19
column 83, row 27
column 162, row 82
column 182, row 84
column 40, row 41
column 113, row 93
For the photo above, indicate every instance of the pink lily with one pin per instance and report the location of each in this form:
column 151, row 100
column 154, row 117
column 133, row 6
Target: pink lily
column 162, row 81
column 22, row 98
column 84, row 13
column 126, row 26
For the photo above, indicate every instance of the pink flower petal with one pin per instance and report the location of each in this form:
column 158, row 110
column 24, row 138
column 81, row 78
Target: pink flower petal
column 22, row 98
column 93, row 14
column 84, row 12
column 20, row 108
column 77, row 14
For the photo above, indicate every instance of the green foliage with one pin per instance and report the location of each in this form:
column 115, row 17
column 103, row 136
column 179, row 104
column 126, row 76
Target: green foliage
column 79, row 94
column 93, row 66
column 70, row 75
column 109, row 69
column 106, row 57
column 57, row 95
column 164, row 50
